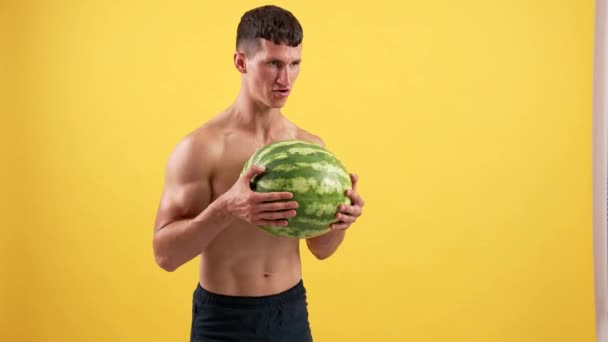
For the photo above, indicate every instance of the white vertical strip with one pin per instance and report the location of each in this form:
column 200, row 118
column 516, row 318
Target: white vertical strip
column 600, row 166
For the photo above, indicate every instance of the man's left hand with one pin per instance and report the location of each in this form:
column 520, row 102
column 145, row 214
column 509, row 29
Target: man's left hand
column 348, row 214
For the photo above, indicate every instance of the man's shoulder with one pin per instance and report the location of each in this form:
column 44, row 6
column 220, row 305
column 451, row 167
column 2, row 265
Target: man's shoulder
column 206, row 137
column 201, row 139
column 302, row 134
column 197, row 148
column 307, row 136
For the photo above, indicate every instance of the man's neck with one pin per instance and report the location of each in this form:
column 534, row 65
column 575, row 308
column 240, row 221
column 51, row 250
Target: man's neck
column 259, row 119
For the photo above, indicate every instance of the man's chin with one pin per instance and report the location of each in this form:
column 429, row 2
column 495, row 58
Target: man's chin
column 274, row 103
column 277, row 104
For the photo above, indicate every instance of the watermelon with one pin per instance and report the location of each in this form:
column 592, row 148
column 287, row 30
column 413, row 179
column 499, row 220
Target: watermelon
column 313, row 174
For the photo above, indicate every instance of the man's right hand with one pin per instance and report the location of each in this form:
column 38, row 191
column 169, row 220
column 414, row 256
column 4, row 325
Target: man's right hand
column 254, row 207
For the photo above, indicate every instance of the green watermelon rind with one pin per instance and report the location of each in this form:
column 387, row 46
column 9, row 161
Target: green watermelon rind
column 332, row 189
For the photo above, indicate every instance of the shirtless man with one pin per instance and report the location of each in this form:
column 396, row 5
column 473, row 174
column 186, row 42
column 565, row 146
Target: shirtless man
column 250, row 284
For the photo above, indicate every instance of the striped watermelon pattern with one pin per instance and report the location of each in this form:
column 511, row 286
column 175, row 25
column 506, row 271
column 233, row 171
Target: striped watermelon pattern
column 314, row 175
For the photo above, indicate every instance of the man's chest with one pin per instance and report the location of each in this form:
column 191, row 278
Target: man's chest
column 229, row 165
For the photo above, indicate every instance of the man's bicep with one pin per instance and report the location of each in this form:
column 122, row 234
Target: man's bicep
column 181, row 203
column 187, row 189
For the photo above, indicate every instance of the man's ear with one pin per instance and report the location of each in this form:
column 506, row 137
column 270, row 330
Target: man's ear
column 240, row 62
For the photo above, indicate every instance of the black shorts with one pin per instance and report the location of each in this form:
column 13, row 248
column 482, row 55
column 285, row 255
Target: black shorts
column 273, row 318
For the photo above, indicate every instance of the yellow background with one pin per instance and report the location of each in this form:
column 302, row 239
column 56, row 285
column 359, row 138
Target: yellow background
column 469, row 123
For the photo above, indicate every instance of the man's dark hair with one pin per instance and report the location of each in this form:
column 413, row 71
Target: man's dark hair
column 268, row 22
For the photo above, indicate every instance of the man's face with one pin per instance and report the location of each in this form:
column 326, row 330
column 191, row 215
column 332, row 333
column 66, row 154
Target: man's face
column 272, row 72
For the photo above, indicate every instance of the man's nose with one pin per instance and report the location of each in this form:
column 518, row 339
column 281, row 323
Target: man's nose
column 284, row 76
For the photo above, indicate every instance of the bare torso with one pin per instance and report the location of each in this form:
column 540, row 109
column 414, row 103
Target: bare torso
column 244, row 260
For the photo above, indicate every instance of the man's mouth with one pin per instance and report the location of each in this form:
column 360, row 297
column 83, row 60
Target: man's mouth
column 281, row 92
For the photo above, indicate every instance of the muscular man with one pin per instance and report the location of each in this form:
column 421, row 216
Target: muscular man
column 250, row 284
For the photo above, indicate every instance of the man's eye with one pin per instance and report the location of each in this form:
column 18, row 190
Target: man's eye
column 274, row 63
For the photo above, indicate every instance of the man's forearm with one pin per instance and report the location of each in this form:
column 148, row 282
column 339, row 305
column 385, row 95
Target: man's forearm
column 181, row 241
column 325, row 245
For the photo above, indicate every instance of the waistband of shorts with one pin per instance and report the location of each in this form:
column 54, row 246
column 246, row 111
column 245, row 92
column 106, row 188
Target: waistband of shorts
column 290, row 295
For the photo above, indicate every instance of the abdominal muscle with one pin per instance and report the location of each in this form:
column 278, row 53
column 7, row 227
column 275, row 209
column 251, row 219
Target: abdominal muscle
column 244, row 260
